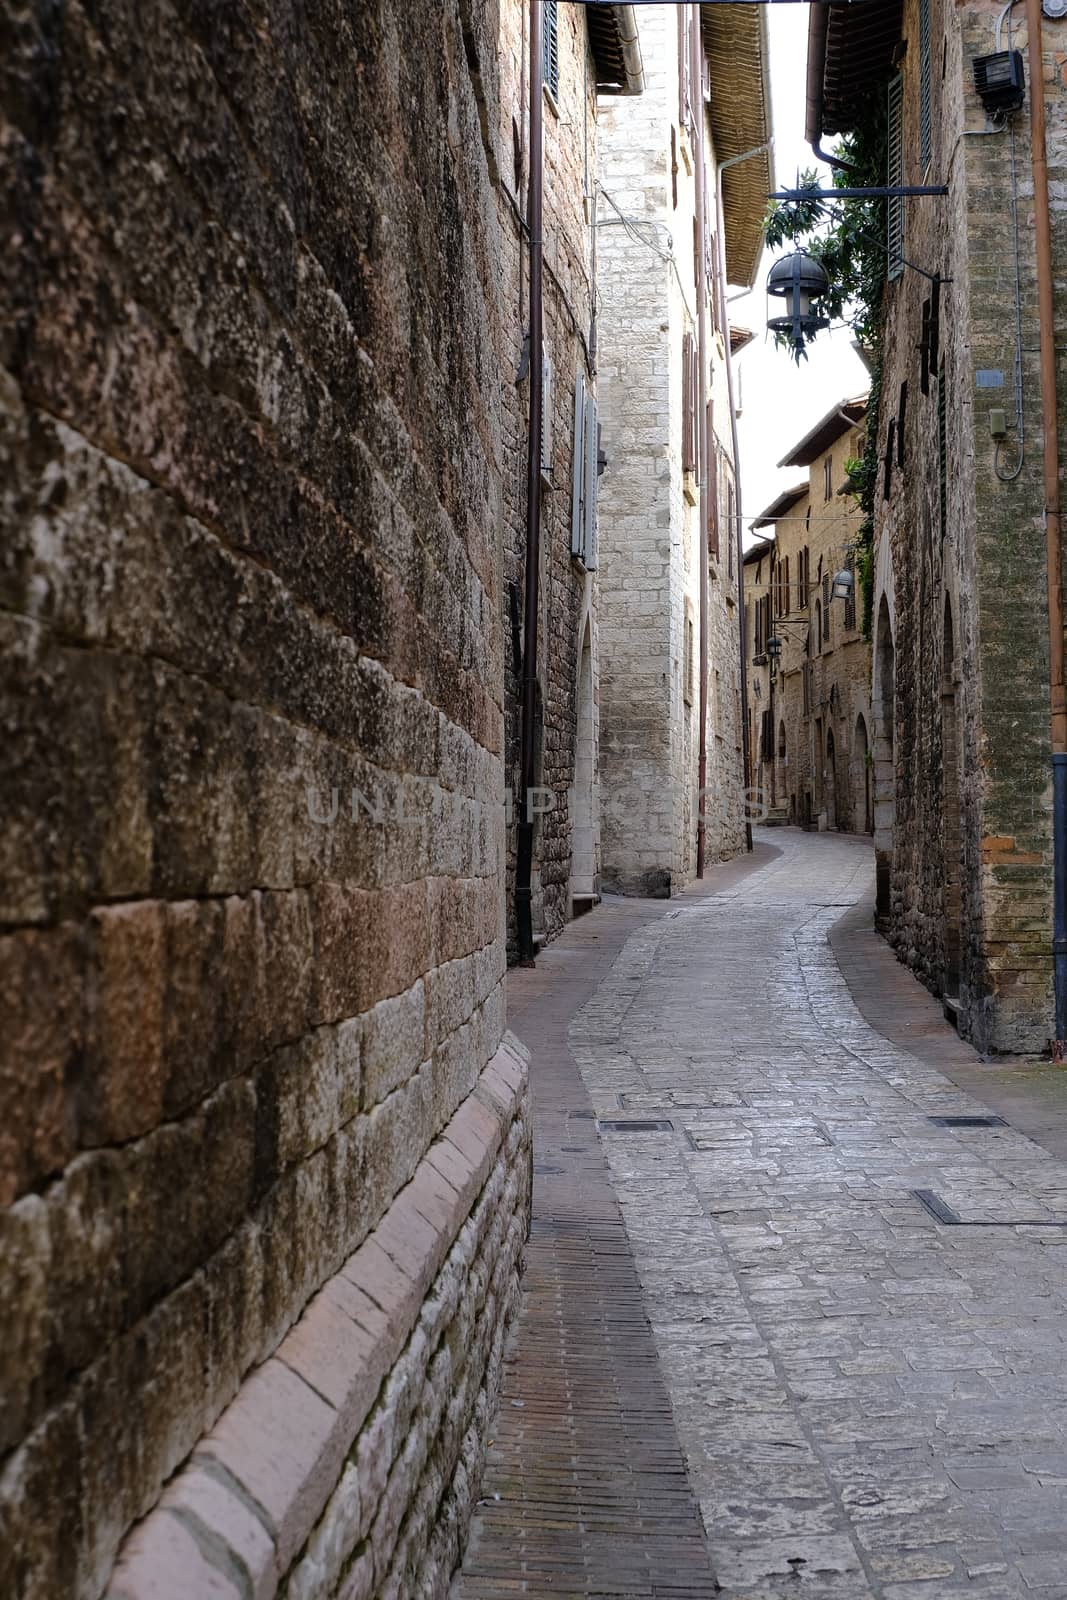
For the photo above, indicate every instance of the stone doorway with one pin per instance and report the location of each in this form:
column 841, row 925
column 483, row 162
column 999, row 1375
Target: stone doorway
column 885, row 766
column 950, row 806
column 831, row 780
column 584, row 887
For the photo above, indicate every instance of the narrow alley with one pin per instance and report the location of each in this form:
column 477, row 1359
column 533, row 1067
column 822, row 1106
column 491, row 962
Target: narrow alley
column 857, row 1306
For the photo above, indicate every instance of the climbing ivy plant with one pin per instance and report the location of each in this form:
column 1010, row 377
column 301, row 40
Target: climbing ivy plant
column 848, row 237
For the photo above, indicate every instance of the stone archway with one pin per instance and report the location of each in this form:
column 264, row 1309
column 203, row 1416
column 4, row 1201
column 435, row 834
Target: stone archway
column 950, row 809
column 885, row 766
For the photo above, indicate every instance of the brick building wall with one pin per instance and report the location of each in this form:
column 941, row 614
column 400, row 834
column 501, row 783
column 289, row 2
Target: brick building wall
column 649, row 578
column 567, row 621
column 264, row 1162
column 960, row 620
column 819, row 770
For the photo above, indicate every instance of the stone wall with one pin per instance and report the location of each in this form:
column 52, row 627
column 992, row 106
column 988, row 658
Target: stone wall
column 961, row 607
column 649, row 575
column 252, row 470
column 567, row 614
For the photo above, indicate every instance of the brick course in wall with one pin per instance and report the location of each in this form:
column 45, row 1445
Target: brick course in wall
column 252, row 468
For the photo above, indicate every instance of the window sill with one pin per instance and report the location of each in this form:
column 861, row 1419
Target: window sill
column 551, row 101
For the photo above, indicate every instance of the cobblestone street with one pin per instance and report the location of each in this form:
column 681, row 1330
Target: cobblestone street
column 858, row 1307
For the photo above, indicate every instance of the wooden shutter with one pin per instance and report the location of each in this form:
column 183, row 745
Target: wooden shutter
column 550, row 44
column 578, row 485
column 826, row 609
column 714, row 510
column 926, row 131
column 592, row 453
column 895, row 176
column 546, row 416
column 689, row 404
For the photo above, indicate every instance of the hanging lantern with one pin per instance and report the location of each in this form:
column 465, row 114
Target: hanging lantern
column 843, row 585
column 801, row 282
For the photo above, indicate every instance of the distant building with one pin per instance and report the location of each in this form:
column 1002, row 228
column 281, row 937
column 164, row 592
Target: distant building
column 809, row 696
column 669, row 550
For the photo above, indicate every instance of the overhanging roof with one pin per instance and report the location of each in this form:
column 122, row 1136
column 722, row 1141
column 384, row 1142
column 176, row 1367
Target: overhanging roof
column 735, row 42
column 616, row 49
column 826, row 432
column 781, row 507
column 850, row 55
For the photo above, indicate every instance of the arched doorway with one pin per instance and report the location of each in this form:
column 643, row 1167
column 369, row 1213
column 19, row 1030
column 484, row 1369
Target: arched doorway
column 950, row 808
column 863, row 778
column 831, row 780
column 885, row 768
column 583, row 810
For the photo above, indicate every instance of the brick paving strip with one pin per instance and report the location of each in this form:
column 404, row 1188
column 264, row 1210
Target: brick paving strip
column 585, row 1491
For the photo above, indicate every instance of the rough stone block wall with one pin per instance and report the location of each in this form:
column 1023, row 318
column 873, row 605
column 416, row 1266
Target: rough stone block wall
column 251, row 475
column 649, row 577
column 566, row 611
column 987, row 574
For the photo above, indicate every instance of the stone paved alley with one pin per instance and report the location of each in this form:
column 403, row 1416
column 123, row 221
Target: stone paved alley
column 871, row 1395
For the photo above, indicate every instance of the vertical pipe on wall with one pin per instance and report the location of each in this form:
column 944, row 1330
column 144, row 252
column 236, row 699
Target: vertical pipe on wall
column 528, row 751
column 1053, row 538
column 693, row 43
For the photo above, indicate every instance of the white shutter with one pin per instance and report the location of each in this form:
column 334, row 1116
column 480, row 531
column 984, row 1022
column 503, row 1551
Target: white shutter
column 578, row 489
column 592, row 440
column 546, row 418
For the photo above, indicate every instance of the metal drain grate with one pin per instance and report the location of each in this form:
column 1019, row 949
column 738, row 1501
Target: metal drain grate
column 632, row 1125
column 968, row 1122
column 942, row 1212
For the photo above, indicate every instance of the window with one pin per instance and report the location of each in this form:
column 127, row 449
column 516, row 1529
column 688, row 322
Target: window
column 546, row 417
column 828, row 478
column 803, row 560
column 714, row 510
column 690, row 442
column 550, row 45
column 890, row 446
column 850, row 602
column 942, row 449
column 895, row 176
column 926, row 135
column 826, row 609
column 689, row 662
column 685, row 73
column 818, row 625
column 781, row 741
column 586, row 470
column 902, row 412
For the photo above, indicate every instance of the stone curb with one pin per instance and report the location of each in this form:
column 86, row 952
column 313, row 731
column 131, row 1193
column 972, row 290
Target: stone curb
column 231, row 1522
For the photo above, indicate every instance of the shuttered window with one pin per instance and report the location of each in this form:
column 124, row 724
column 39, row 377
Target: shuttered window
column 585, row 473
column 690, row 445
column 826, row 610
column 895, row 176
column 926, row 88
column 550, row 45
column 547, row 403
column 714, row 509
column 942, row 450
column 850, row 602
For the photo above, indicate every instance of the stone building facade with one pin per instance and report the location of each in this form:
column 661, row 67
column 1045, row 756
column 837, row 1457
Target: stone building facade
column 960, row 677
column 264, row 1159
column 659, row 475
column 581, row 56
column 810, row 724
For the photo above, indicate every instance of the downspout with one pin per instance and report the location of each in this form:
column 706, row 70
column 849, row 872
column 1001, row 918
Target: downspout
column 527, row 775
column 696, row 74
column 630, row 41
column 817, row 26
column 1053, row 540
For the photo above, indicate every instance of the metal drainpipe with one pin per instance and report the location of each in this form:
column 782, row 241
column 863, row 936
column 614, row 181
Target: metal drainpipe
column 696, row 77
column 1054, row 555
column 527, row 775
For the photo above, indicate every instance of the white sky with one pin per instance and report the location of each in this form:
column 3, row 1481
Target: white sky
column 779, row 401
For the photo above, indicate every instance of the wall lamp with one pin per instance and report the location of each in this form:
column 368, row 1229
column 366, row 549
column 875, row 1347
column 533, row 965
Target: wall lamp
column 843, row 585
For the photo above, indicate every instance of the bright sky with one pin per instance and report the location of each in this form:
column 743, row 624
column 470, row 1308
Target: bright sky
column 779, row 401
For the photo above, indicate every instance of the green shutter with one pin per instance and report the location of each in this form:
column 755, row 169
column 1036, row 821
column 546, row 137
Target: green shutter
column 926, row 138
column 550, row 25
column 895, row 176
